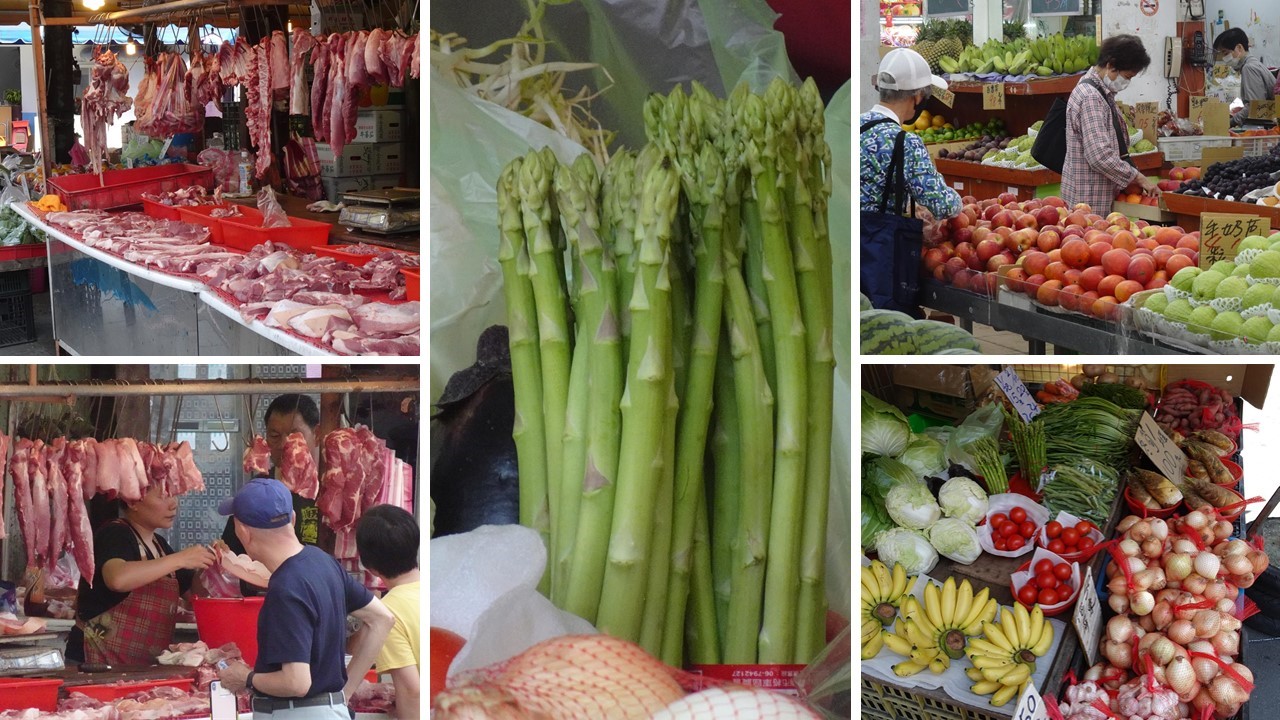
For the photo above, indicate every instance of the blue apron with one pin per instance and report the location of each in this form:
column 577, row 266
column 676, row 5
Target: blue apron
column 891, row 241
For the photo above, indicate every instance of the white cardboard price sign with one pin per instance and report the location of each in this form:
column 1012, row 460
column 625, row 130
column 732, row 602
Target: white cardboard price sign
column 1157, row 445
column 1014, row 389
column 1030, row 705
column 1087, row 617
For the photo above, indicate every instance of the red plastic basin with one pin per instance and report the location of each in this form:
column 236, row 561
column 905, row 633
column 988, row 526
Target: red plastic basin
column 115, row 691
column 20, row 694
column 247, row 233
column 412, row 283
column 223, row 620
column 203, row 215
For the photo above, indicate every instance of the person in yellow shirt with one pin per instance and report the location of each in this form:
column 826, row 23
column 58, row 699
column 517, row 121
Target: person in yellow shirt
column 387, row 540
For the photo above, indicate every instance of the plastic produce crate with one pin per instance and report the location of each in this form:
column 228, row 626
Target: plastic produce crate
column 247, row 233
column 160, row 210
column 412, row 283
column 22, row 252
column 1182, row 149
column 115, row 691
column 123, row 188
column 1257, row 145
column 202, row 215
column 36, row 694
column 17, row 310
column 882, row 701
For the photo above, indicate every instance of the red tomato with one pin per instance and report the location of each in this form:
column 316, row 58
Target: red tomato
column 1070, row 537
column 1053, row 529
column 444, row 646
column 999, row 543
column 998, row 519
column 1045, row 565
column 1016, row 542
column 1008, row 529
column 1046, row 580
column 1027, row 529
column 1062, row 571
column 1048, row 597
column 1017, row 514
column 1084, row 527
column 1028, row 594
column 1086, row 543
column 1057, row 546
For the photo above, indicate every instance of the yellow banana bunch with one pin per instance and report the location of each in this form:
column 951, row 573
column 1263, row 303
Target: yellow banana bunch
column 939, row 630
column 1005, row 658
column 882, row 592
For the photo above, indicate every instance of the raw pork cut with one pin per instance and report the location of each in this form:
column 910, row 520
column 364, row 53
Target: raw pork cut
column 379, row 318
column 4, row 453
column 38, row 541
column 279, row 62
column 299, row 100
column 342, row 476
column 110, row 469
column 257, row 458
column 89, row 465
column 19, row 469
column 190, row 479
column 376, row 473
column 298, row 471
column 133, row 472
column 337, row 95
column 81, row 532
column 58, row 509
column 319, row 89
column 104, row 101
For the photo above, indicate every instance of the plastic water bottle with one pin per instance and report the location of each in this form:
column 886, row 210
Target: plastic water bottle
column 245, row 172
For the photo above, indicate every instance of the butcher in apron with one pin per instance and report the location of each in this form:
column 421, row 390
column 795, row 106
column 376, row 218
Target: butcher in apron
column 128, row 615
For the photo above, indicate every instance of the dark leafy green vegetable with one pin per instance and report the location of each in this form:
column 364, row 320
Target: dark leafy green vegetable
column 1125, row 396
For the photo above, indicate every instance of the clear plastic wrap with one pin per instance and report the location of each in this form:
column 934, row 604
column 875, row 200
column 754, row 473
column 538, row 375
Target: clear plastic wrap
column 273, row 216
column 826, row 684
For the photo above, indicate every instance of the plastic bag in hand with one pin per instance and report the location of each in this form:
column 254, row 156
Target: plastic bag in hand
column 273, row 215
column 218, row 583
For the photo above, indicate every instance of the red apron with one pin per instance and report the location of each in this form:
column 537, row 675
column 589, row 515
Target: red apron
column 140, row 627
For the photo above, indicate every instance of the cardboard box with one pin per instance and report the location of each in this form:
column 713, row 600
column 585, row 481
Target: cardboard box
column 353, row 161
column 385, row 182
column 948, row 391
column 386, row 158
column 1246, row 381
column 1150, row 213
column 379, row 126
column 950, row 380
column 334, row 188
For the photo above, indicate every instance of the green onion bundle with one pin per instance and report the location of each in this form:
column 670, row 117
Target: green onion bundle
column 1088, row 427
column 670, row 324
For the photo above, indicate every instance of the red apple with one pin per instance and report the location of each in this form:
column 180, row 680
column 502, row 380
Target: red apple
column 962, row 235
column 1047, row 294
column 1091, row 276
column 1048, row 240
column 1026, row 220
column 1003, row 218
column 1035, row 262
column 1072, row 231
column 953, row 267
column 980, row 234
column 990, row 211
column 1047, row 215
column 1141, row 269
column 1118, row 219
column 933, row 257
column 1033, row 284
column 987, row 249
column 1005, row 198
column 1055, row 201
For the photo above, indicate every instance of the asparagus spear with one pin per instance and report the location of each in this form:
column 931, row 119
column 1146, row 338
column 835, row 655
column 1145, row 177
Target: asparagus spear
column 604, row 421
column 770, row 150
column 640, row 464
column 553, row 322
column 654, row 621
column 576, row 188
column 726, row 449
column 701, row 623
column 526, row 364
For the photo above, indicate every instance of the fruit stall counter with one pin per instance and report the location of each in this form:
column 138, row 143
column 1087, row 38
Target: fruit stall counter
column 978, row 180
column 1041, row 326
column 1187, row 208
column 104, row 305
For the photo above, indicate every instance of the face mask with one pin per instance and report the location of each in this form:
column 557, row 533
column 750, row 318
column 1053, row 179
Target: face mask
column 1233, row 62
column 1118, row 84
column 919, row 108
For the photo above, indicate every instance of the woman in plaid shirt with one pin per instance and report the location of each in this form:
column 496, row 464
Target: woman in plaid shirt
column 1097, row 165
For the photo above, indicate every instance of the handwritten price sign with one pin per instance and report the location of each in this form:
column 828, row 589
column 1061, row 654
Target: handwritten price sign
column 1197, row 107
column 993, row 96
column 1087, row 618
column 1030, row 705
column 1144, row 118
column 1221, row 234
column 1262, row 109
column 946, row 97
column 1014, row 389
column 1167, row 457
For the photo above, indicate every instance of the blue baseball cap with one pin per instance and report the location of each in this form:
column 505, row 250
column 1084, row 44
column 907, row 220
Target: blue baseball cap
column 263, row 503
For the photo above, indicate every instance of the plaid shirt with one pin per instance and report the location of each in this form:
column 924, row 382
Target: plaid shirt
column 924, row 182
column 1093, row 171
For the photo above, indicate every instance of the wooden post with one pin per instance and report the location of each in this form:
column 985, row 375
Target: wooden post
column 37, row 57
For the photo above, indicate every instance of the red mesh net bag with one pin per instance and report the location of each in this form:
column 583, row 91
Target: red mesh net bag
column 1190, row 405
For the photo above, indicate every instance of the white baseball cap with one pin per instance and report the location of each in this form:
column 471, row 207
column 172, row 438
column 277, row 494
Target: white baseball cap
column 906, row 69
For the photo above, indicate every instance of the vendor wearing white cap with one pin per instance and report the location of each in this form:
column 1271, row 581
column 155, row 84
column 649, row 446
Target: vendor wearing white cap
column 299, row 672
column 896, row 168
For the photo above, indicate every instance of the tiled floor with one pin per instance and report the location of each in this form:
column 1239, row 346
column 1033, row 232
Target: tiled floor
column 998, row 342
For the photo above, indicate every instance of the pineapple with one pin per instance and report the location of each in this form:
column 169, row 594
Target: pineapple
column 930, row 52
column 949, row 46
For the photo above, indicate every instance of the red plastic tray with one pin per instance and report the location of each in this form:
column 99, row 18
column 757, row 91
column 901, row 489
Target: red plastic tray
column 359, row 260
column 202, row 215
column 20, row 694
column 248, row 233
column 122, row 188
column 22, row 252
column 159, row 210
column 412, row 283
column 107, row 693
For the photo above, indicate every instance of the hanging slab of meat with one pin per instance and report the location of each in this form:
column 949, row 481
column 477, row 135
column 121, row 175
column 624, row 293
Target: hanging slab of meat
column 233, row 62
column 320, row 89
column 357, row 79
column 392, row 56
column 89, row 467
column 57, row 486
column 414, row 63
column 166, row 109
column 374, row 66
column 203, row 84
column 258, row 106
column 38, row 541
column 104, row 101
column 190, row 479
column 376, row 451
column 343, row 475
column 133, row 472
column 280, row 77
column 19, row 470
column 80, row 530
column 110, row 469
column 257, row 458
column 298, row 467
column 336, row 95
column 4, row 453
column 303, row 43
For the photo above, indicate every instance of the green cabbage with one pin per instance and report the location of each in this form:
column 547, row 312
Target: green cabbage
column 955, row 539
column 964, row 499
column 911, row 505
column 884, row 428
column 882, row 474
column 875, row 521
column 925, row 456
column 907, row 548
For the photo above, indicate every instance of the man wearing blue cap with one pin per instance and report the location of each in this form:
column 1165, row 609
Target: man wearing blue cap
column 298, row 674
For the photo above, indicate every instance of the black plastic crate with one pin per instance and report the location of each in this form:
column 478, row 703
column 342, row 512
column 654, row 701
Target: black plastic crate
column 17, row 320
column 13, row 283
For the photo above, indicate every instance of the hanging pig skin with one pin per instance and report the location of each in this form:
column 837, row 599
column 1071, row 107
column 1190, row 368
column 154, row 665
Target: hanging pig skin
column 474, row 477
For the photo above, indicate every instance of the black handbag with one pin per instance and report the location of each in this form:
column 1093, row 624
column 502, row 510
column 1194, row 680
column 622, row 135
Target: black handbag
column 1050, row 146
column 891, row 240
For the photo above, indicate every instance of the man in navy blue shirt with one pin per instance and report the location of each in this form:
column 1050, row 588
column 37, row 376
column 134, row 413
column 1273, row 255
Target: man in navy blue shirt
column 299, row 673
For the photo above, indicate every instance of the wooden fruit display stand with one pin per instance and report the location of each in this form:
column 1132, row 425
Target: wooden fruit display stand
column 1030, row 103
column 1187, row 208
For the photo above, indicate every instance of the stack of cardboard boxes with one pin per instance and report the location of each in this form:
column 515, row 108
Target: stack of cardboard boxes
column 373, row 161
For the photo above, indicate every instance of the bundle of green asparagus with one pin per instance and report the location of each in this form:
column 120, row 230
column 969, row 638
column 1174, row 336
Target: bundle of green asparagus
column 670, row 329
